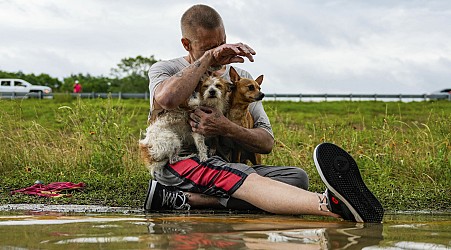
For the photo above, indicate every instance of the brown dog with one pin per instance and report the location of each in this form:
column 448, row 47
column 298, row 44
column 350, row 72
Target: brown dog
column 244, row 91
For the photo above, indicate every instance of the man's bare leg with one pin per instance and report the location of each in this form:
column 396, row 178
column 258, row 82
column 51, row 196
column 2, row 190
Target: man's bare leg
column 284, row 198
column 197, row 200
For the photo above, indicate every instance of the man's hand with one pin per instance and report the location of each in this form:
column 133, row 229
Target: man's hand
column 208, row 121
column 231, row 53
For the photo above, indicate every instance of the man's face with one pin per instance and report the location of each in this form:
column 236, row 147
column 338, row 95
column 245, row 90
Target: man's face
column 205, row 40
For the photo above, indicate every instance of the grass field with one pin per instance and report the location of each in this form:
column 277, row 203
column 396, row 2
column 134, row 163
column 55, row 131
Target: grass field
column 403, row 149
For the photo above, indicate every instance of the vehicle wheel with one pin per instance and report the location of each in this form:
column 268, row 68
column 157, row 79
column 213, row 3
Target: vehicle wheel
column 37, row 94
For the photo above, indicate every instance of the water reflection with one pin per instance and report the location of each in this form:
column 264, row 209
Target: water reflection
column 278, row 233
column 218, row 231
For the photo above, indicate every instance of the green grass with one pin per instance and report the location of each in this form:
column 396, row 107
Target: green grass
column 403, row 149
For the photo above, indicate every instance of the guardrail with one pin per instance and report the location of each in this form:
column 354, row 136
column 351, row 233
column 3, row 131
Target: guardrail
column 299, row 97
column 352, row 97
column 21, row 95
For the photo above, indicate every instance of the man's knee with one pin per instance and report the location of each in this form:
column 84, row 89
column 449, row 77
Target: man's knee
column 293, row 176
column 297, row 177
column 302, row 179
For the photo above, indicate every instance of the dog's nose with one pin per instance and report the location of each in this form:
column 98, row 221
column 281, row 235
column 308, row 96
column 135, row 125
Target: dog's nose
column 212, row 92
column 260, row 97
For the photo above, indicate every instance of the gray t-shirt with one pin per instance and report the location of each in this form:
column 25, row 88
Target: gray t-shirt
column 162, row 70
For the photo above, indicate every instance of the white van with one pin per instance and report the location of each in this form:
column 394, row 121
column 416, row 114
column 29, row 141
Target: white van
column 21, row 88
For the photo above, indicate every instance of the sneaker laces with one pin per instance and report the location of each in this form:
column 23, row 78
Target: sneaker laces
column 170, row 199
column 323, row 202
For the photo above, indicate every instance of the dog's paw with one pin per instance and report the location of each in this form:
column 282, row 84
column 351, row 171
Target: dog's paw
column 203, row 157
column 212, row 151
column 176, row 158
column 156, row 166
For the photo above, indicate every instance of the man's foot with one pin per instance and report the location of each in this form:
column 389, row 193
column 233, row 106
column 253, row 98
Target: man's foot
column 346, row 194
column 160, row 197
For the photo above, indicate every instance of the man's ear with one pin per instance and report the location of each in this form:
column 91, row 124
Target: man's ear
column 186, row 44
column 259, row 80
column 234, row 77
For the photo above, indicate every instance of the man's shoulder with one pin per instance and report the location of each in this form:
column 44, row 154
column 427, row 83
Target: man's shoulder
column 176, row 64
column 241, row 72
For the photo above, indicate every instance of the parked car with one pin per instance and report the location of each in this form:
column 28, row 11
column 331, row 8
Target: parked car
column 21, row 88
column 441, row 94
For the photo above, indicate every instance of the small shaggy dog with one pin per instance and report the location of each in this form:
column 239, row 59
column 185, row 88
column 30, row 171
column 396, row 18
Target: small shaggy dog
column 166, row 134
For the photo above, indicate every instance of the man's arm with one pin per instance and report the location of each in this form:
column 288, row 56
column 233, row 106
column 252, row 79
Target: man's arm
column 211, row 122
column 256, row 140
column 176, row 89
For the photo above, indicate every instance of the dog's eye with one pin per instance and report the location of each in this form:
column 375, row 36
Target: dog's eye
column 218, row 86
column 251, row 87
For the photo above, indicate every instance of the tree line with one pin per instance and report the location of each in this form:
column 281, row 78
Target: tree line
column 129, row 76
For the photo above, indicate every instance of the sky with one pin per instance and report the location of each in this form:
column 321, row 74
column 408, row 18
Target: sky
column 303, row 46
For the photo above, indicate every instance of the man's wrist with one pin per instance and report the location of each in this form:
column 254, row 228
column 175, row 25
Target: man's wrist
column 231, row 130
column 211, row 61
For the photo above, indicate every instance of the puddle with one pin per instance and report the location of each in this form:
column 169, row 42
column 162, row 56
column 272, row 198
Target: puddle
column 56, row 230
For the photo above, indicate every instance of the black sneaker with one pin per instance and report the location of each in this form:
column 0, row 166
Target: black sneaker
column 160, row 197
column 347, row 194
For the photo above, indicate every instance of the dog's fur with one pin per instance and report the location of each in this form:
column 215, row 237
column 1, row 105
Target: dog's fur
column 170, row 130
column 244, row 91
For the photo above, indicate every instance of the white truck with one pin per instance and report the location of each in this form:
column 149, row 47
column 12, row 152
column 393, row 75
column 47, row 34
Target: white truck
column 18, row 88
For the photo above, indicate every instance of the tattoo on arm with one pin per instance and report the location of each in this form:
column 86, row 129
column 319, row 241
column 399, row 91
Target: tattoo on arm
column 195, row 64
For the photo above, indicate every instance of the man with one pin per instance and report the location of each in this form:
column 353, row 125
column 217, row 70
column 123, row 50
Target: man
column 216, row 182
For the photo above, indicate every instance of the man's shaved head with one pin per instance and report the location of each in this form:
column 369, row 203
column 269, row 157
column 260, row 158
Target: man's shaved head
column 199, row 16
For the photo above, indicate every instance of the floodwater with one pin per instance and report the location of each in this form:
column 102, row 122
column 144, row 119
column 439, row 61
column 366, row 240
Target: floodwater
column 35, row 229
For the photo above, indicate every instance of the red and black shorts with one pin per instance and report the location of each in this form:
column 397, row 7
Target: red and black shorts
column 213, row 177
column 219, row 178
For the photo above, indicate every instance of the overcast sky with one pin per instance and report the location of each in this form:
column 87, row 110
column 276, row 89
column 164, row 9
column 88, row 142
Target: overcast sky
column 386, row 46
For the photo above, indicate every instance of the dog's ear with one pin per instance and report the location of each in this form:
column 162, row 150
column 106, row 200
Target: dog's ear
column 231, row 87
column 234, row 77
column 199, row 85
column 204, row 77
column 259, row 80
column 208, row 73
